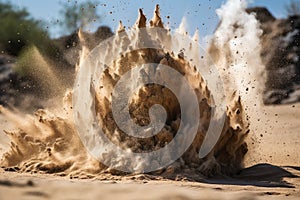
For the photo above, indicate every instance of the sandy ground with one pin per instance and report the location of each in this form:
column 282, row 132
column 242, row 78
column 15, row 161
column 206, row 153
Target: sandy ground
column 275, row 141
column 276, row 136
column 25, row 186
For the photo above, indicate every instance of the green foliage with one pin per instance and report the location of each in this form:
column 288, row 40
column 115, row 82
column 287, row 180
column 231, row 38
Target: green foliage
column 293, row 8
column 18, row 30
column 78, row 15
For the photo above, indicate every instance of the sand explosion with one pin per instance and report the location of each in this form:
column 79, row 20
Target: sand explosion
column 48, row 141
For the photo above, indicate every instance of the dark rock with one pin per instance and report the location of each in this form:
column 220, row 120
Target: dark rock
column 280, row 54
column 275, row 96
column 262, row 14
column 14, row 90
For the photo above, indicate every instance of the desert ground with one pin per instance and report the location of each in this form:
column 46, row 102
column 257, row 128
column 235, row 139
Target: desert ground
column 272, row 170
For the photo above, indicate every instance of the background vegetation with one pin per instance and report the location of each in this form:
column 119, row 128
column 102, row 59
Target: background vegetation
column 77, row 15
column 18, row 30
column 293, row 8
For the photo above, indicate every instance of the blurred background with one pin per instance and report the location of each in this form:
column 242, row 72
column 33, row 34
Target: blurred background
column 39, row 46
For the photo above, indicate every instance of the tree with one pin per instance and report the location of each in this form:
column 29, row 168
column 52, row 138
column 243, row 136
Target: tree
column 293, row 8
column 18, row 30
column 78, row 15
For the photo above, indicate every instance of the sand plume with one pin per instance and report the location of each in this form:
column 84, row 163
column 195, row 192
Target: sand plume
column 48, row 141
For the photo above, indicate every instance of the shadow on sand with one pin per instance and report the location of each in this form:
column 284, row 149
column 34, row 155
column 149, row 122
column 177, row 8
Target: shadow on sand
column 260, row 175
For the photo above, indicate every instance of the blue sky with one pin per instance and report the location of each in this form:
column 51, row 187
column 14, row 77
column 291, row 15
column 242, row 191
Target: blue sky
column 199, row 14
